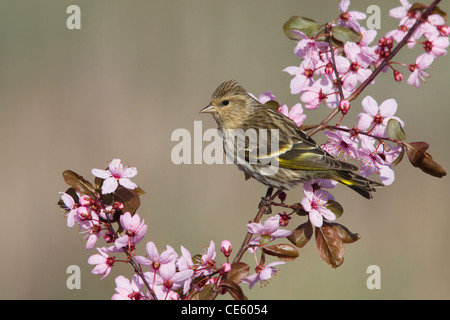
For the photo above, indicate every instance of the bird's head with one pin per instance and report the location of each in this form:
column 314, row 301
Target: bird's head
column 229, row 104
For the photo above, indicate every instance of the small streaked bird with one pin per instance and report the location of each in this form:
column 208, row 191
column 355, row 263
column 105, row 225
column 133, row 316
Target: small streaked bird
column 297, row 156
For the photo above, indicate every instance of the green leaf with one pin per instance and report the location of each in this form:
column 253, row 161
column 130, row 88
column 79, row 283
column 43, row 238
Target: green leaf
column 272, row 104
column 265, row 239
column 308, row 26
column 80, row 184
column 343, row 34
column 299, row 209
column 301, row 235
column 395, row 130
column 283, row 251
column 335, row 207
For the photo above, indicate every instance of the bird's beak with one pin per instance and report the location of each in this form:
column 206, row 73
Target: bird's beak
column 210, row 108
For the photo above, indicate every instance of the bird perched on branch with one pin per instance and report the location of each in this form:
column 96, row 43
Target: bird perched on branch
column 269, row 146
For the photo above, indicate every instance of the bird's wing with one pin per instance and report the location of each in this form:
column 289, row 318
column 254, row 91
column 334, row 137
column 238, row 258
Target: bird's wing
column 305, row 156
column 291, row 147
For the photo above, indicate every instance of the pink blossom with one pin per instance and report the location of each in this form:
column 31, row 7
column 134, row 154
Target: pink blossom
column 309, row 49
column 271, row 228
column 155, row 260
column 71, row 206
column 115, row 175
column 295, row 114
column 265, row 97
column 208, row 263
column 303, row 76
column 263, row 274
column 135, row 230
column 429, row 26
column 359, row 66
column 103, row 262
column 168, row 279
column 185, row 263
column 399, row 33
column 127, row 290
column 436, row 45
column 367, row 36
column 89, row 221
column 377, row 117
column 422, row 62
column 341, row 142
column 402, row 13
column 373, row 161
column 314, row 203
column 321, row 91
column 350, row 18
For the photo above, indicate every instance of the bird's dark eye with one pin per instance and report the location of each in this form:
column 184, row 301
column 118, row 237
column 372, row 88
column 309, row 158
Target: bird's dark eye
column 225, row 102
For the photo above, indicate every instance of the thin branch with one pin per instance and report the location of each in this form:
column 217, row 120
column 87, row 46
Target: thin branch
column 264, row 204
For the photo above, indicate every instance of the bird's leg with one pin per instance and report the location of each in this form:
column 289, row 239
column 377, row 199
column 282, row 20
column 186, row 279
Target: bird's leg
column 267, row 200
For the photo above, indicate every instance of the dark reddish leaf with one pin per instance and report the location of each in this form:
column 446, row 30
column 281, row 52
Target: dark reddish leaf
column 233, row 289
column 416, row 151
column 345, row 234
column 80, row 184
column 283, row 251
column 330, row 246
column 239, row 271
column 129, row 198
column 421, row 159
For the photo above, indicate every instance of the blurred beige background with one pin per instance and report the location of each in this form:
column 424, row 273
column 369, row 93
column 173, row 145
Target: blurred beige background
column 136, row 71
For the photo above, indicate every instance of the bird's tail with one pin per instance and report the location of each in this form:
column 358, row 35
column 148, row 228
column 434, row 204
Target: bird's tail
column 363, row 186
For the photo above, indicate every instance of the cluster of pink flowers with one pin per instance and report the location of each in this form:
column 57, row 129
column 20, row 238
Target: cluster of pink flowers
column 169, row 275
column 314, row 80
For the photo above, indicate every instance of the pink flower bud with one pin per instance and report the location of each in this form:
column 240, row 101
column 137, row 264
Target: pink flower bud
column 284, row 219
column 118, row 205
column 329, row 68
column 226, row 267
column 226, row 248
column 85, row 201
column 282, row 196
column 390, row 43
column 398, row 76
column 344, row 106
column 109, row 237
column 84, row 214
